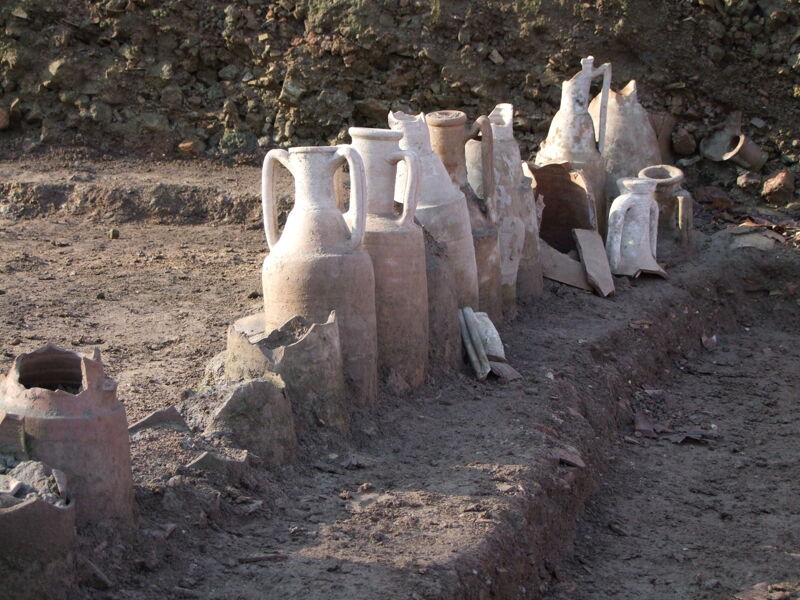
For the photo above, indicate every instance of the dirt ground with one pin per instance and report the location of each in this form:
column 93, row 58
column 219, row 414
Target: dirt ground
column 457, row 490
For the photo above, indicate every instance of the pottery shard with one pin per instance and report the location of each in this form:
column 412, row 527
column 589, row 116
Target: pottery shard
column 567, row 205
column 12, row 435
column 444, row 337
column 779, row 189
column 595, row 260
column 560, row 267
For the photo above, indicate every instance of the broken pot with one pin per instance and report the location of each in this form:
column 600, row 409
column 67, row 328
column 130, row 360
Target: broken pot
column 672, row 199
column 74, row 423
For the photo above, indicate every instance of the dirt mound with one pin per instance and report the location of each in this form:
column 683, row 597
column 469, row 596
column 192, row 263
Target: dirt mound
column 227, row 77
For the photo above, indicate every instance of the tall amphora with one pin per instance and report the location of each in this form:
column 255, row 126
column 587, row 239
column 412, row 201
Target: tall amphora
column 318, row 263
column 441, row 208
column 449, row 134
column 397, row 248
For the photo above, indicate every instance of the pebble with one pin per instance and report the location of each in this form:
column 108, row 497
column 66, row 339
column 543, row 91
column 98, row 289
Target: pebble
column 779, row 189
column 113, row 234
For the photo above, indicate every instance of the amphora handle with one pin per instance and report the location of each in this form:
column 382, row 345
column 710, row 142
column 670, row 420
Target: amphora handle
column 411, row 191
column 483, row 126
column 268, row 206
column 356, row 214
column 605, row 71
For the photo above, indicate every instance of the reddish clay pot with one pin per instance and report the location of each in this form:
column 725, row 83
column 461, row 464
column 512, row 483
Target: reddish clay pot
column 74, row 423
column 397, row 249
column 449, row 134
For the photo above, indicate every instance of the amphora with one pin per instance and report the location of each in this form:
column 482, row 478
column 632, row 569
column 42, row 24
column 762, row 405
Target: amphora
column 73, row 422
column 674, row 202
column 631, row 143
column 441, row 208
column 449, row 134
column 517, row 220
column 633, row 229
column 571, row 137
column 397, row 249
column 318, row 263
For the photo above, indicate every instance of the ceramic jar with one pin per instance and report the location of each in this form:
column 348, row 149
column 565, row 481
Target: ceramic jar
column 449, row 134
column 631, row 143
column 397, row 249
column 318, row 263
column 571, row 137
column 633, row 229
column 73, row 422
column 441, row 208
column 517, row 219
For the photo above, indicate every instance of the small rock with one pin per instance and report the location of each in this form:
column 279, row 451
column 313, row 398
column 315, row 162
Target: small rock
column 715, row 53
column 779, row 189
column 4, row 120
column 496, row 57
column 758, row 123
column 100, row 296
column 113, row 234
column 191, row 147
column 683, row 142
column 749, row 181
column 166, row 416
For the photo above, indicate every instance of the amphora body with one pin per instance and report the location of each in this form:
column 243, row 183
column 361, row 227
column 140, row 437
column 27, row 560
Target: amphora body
column 441, row 208
column 631, row 143
column 633, row 229
column 318, row 263
column 397, row 249
column 571, row 137
column 449, row 134
column 517, row 219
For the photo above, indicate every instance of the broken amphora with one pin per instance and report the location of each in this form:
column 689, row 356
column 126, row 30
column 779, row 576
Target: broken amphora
column 517, row 219
column 441, row 208
column 571, row 137
column 397, row 249
column 674, row 202
column 449, row 135
column 73, row 422
column 318, row 263
column 630, row 143
column 633, row 229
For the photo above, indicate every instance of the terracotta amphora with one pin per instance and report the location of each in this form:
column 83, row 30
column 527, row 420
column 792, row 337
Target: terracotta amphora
column 449, row 135
column 73, row 422
column 633, row 229
column 571, row 138
column 517, row 220
column 318, row 263
column 669, row 195
column 631, row 143
column 441, row 208
column 397, row 249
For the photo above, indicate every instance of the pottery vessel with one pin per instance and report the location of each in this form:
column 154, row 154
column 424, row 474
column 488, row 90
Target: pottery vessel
column 441, row 208
column 449, row 134
column 571, row 138
column 318, row 263
column 397, row 249
column 668, row 191
column 663, row 124
column 517, row 221
column 746, row 153
column 633, row 229
column 631, row 142
column 73, row 422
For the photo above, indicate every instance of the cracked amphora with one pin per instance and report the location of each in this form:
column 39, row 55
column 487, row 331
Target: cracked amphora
column 571, row 137
column 449, row 135
column 318, row 263
column 441, row 208
column 397, row 248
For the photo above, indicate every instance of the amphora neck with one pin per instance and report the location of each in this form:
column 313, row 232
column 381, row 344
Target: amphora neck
column 377, row 147
column 448, row 136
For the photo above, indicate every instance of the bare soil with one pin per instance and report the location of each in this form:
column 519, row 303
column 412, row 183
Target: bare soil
column 457, row 490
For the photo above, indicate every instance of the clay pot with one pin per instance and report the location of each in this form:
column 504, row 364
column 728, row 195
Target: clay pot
column 668, row 188
column 318, row 263
column 571, row 138
column 397, row 249
column 746, row 153
column 633, row 229
column 631, row 143
column 441, row 208
column 517, row 222
column 449, row 134
column 74, row 423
